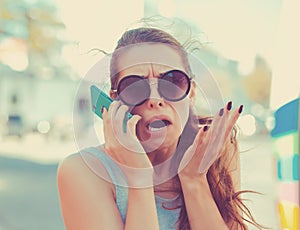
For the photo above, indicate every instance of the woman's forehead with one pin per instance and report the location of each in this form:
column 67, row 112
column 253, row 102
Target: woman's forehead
column 148, row 69
column 141, row 55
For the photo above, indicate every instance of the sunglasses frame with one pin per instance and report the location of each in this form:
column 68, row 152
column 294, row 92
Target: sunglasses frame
column 161, row 76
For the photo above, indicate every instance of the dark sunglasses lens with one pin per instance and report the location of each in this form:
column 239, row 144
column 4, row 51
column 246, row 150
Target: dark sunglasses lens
column 174, row 85
column 133, row 90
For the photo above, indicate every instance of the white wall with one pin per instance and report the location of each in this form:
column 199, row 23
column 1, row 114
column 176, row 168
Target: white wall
column 38, row 99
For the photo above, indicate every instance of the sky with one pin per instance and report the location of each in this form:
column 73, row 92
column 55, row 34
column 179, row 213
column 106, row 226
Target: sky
column 95, row 24
column 239, row 30
column 286, row 72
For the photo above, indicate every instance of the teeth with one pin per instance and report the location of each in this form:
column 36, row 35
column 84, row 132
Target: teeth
column 152, row 129
column 158, row 125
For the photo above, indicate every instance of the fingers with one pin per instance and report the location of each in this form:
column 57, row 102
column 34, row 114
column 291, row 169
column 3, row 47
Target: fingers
column 119, row 121
column 216, row 132
column 200, row 142
column 213, row 141
column 233, row 119
column 106, row 124
column 215, row 137
column 192, row 155
column 225, row 119
column 115, row 117
column 131, row 125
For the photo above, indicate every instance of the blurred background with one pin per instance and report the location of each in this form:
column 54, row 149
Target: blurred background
column 250, row 47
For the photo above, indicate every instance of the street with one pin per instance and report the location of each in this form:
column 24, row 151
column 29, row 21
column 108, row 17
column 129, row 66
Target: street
column 28, row 196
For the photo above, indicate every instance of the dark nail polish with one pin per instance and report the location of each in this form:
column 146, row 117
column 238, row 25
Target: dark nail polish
column 205, row 128
column 229, row 105
column 102, row 109
column 221, row 112
column 241, row 109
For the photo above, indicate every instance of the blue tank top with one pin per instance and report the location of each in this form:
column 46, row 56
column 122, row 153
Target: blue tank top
column 167, row 218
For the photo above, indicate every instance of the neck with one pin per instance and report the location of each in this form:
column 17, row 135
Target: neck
column 160, row 155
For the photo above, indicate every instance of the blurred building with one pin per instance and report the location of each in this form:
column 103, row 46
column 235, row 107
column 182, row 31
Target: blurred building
column 36, row 84
column 35, row 100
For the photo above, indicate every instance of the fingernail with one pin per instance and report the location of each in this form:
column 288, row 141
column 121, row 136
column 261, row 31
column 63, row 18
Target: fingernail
column 205, row 128
column 102, row 109
column 221, row 112
column 241, row 109
column 229, row 105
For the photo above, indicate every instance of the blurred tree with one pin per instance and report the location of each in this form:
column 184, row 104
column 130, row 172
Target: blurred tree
column 37, row 24
column 258, row 83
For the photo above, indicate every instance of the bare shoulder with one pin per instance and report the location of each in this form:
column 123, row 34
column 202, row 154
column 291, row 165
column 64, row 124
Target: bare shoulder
column 73, row 169
column 84, row 193
column 70, row 161
column 71, row 164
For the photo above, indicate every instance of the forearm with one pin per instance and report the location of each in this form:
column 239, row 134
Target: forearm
column 201, row 208
column 141, row 212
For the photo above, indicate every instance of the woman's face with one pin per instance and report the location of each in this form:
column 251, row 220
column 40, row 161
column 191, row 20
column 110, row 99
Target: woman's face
column 162, row 120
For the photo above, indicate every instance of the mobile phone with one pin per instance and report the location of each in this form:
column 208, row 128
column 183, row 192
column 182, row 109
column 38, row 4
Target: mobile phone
column 100, row 99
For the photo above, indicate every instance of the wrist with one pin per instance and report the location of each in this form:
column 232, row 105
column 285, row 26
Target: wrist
column 139, row 178
column 191, row 178
column 194, row 182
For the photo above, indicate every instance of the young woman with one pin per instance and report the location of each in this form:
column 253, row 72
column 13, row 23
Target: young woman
column 164, row 170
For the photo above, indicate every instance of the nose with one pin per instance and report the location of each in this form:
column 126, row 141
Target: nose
column 155, row 100
column 155, row 103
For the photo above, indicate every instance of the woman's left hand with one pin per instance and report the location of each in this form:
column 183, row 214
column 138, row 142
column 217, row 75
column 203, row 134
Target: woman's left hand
column 208, row 144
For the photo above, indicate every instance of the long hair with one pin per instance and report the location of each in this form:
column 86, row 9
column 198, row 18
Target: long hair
column 219, row 177
column 229, row 201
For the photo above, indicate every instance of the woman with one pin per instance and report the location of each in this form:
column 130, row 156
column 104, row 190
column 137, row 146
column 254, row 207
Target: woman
column 164, row 170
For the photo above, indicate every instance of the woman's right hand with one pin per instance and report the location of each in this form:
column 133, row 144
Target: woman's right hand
column 124, row 147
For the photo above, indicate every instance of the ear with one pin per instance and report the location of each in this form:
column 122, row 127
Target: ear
column 192, row 93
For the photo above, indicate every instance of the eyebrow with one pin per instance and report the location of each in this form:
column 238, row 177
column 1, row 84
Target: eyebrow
column 159, row 75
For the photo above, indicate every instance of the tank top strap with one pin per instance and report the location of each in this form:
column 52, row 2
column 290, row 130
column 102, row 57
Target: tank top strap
column 97, row 160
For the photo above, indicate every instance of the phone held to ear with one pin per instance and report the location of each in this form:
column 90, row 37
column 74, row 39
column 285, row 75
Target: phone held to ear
column 100, row 99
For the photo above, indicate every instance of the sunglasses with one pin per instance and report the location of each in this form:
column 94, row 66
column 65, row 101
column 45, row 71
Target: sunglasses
column 134, row 90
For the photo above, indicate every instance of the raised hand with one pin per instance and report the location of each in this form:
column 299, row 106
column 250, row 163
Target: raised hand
column 124, row 147
column 208, row 143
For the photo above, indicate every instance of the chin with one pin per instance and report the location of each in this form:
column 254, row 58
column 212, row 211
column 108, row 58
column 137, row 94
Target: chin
column 159, row 144
column 159, row 139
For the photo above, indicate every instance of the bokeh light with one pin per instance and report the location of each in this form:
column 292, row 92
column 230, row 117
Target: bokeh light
column 247, row 124
column 43, row 127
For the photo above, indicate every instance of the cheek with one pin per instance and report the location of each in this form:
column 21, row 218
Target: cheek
column 135, row 110
column 182, row 112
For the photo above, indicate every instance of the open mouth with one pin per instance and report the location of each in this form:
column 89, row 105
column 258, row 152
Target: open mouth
column 158, row 125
